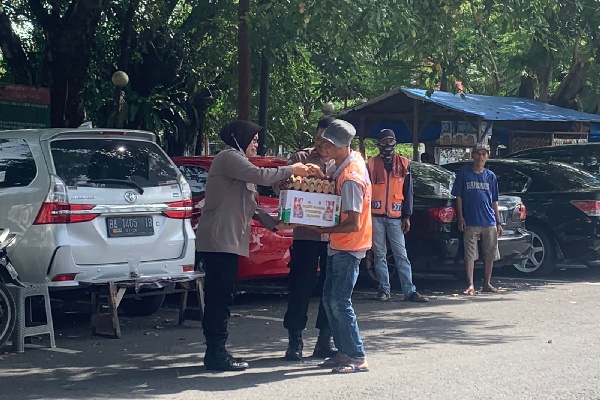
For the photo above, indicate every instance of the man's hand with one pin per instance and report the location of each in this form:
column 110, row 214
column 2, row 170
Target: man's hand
column 462, row 225
column 405, row 225
column 300, row 169
column 315, row 170
column 499, row 229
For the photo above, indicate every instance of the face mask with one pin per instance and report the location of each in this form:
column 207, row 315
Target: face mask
column 386, row 150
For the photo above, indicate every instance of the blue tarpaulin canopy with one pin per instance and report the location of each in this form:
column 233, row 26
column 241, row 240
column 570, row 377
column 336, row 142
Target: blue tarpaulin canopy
column 400, row 109
column 493, row 108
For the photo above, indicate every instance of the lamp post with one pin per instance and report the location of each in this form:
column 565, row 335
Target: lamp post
column 119, row 80
column 328, row 108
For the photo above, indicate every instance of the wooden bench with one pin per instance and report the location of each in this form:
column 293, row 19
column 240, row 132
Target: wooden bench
column 110, row 294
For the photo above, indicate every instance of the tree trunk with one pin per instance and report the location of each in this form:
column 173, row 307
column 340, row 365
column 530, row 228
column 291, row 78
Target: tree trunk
column 538, row 65
column 444, row 78
column 571, row 85
column 244, row 67
column 68, row 55
column 263, row 109
column 12, row 51
column 527, row 87
column 127, row 36
column 543, row 73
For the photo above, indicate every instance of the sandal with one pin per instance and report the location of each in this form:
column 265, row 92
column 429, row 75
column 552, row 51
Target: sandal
column 349, row 368
column 469, row 291
column 489, row 289
column 331, row 362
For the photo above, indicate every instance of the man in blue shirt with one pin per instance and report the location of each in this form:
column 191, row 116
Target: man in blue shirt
column 476, row 191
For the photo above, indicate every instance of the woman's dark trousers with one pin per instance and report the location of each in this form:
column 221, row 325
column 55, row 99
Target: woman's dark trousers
column 219, row 290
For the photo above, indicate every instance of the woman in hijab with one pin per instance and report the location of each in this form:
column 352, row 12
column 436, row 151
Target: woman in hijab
column 223, row 233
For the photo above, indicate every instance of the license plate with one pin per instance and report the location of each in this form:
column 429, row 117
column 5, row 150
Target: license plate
column 130, row 226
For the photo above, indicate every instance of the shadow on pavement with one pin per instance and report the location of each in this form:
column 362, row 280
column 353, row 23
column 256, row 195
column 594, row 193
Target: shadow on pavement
column 157, row 357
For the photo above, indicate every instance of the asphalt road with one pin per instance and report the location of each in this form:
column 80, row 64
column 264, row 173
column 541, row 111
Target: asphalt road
column 537, row 339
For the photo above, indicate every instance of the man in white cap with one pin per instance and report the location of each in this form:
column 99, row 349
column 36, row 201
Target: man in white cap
column 349, row 242
column 476, row 191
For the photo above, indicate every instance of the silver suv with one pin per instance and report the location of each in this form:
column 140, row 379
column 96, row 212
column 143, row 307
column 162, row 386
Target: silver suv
column 84, row 202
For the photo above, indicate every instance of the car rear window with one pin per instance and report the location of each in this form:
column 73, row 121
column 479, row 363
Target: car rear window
column 17, row 166
column 196, row 177
column 555, row 176
column 80, row 162
column 431, row 180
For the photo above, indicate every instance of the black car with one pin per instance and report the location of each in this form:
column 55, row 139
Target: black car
column 563, row 209
column 434, row 243
column 585, row 156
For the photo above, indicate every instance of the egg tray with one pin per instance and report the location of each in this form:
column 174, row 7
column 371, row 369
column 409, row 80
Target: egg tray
column 311, row 185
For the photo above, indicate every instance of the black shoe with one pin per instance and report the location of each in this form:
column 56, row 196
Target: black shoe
column 383, row 296
column 325, row 347
column 415, row 297
column 224, row 362
column 295, row 346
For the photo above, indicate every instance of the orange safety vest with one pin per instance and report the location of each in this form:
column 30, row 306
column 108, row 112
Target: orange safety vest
column 388, row 196
column 362, row 240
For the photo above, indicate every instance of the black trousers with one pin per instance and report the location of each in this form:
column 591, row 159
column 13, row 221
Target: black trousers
column 219, row 291
column 307, row 255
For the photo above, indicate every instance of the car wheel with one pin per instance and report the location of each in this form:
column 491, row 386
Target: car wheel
column 543, row 254
column 142, row 306
column 370, row 267
column 8, row 312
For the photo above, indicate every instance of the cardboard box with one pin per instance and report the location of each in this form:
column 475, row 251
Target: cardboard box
column 446, row 139
column 470, row 139
column 318, row 209
column 447, row 127
column 462, row 127
column 458, row 139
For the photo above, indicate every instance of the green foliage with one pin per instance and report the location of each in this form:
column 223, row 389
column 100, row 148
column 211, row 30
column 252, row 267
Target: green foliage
column 406, row 149
column 181, row 57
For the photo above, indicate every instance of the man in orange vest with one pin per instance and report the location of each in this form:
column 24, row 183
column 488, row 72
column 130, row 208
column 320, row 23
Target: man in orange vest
column 391, row 207
column 309, row 250
column 349, row 242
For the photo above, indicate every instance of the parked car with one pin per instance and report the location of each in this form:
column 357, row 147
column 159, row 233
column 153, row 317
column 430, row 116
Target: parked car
column 563, row 209
column 585, row 156
column 83, row 201
column 269, row 251
column 434, row 243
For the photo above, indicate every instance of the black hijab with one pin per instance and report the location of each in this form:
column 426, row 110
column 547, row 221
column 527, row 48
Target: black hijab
column 239, row 134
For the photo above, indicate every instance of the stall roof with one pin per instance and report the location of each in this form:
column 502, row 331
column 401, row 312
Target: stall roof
column 488, row 108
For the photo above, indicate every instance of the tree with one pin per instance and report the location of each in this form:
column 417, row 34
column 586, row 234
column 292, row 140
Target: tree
column 62, row 60
column 179, row 56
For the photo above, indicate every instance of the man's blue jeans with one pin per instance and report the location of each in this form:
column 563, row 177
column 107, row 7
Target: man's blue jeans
column 342, row 273
column 392, row 228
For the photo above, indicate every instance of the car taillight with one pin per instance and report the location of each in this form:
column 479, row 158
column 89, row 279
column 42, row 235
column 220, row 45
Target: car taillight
column 179, row 209
column 590, row 207
column 519, row 213
column 64, row 213
column 188, row 268
column 443, row 214
column 186, row 190
column 57, row 210
column 64, row 278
